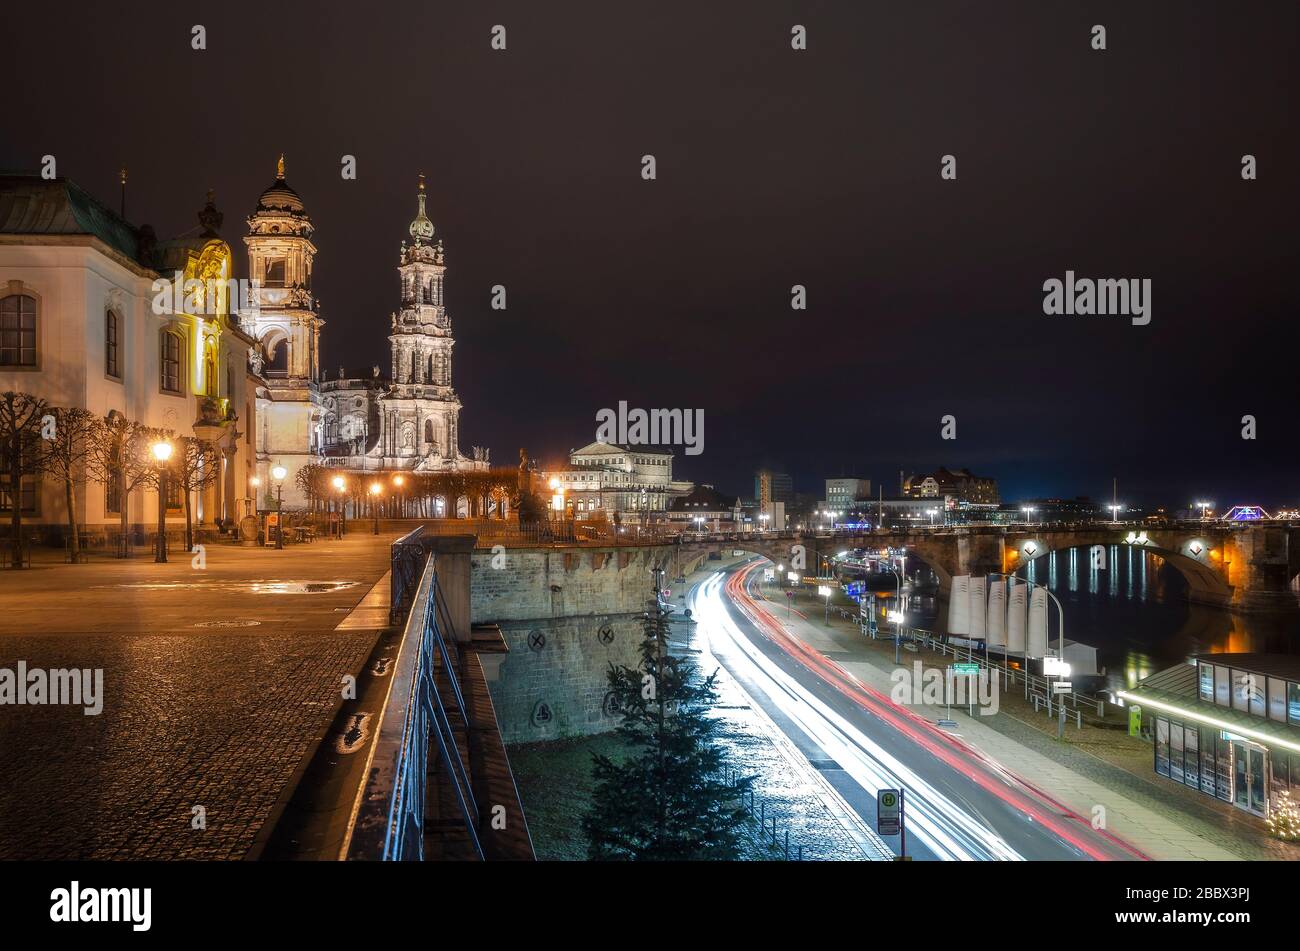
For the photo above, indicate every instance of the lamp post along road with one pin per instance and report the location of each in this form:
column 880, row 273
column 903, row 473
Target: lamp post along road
column 278, row 474
column 375, row 489
column 340, row 485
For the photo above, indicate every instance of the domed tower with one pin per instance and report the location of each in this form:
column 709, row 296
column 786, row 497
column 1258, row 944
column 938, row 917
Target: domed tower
column 287, row 329
column 280, row 255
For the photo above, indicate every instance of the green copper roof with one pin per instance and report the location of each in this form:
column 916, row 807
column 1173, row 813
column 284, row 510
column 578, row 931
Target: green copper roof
column 32, row 205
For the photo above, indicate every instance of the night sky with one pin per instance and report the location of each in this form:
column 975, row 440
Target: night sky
column 775, row 168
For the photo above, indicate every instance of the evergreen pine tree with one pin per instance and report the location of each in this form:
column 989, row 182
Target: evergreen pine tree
column 667, row 801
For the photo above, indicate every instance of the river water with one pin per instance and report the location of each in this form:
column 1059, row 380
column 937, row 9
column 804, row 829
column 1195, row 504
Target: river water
column 1134, row 612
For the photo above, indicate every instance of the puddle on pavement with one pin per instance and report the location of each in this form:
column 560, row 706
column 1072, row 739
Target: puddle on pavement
column 253, row 587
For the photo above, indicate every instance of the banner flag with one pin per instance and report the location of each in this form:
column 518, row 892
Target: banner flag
column 1016, row 604
column 978, row 608
column 996, row 625
column 1037, row 622
column 959, row 606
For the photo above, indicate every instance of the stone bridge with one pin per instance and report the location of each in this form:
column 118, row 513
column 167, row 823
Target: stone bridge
column 1248, row 568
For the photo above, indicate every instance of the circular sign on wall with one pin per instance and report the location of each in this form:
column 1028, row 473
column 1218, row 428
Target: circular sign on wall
column 536, row 640
column 605, row 634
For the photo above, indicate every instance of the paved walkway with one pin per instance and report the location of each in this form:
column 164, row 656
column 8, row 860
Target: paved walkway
column 1092, row 768
column 217, row 682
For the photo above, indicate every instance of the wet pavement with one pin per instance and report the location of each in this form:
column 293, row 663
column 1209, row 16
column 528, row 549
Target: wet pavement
column 217, row 682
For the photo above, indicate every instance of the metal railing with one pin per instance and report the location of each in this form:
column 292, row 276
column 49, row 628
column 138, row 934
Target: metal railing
column 406, row 557
column 390, row 821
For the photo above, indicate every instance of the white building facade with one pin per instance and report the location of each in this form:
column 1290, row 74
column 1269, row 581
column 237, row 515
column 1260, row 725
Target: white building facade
column 83, row 325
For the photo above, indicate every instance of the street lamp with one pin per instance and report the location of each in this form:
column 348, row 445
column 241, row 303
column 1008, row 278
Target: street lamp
column 1114, row 512
column 162, row 451
column 1029, row 511
column 399, row 481
column 375, row 489
column 339, row 485
column 932, row 513
column 1205, row 509
column 278, row 474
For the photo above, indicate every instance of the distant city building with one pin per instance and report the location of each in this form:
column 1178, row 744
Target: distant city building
column 706, row 509
column 960, row 486
column 634, row 482
column 842, row 493
column 1078, row 509
column 770, row 486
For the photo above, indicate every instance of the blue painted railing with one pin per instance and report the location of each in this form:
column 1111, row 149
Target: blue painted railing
column 389, row 821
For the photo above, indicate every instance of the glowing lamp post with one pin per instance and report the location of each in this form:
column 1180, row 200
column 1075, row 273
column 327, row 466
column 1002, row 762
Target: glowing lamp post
column 162, row 451
column 375, row 489
column 1029, row 514
column 399, row 481
column 1114, row 512
column 278, row 473
column 339, row 486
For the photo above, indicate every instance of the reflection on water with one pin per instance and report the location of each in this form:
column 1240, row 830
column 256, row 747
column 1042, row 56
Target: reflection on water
column 1135, row 612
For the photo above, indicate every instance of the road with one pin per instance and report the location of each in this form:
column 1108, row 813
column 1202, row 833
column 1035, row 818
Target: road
column 960, row 805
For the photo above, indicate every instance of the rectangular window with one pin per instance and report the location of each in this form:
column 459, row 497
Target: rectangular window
column 1208, row 768
column 170, row 366
column 1277, row 699
column 1240, row 700
column 175, row 502
column 1293, row 703
column 1222, row 686
column 113, row 494
column 275, row 273
column 1223, row 767
column 110, row 344
column 1191, row 757
column 1162, row 746
column 1176, row 751
column 1281, row 775
column 29, row 493
column 1205, row 677
column 18, row 331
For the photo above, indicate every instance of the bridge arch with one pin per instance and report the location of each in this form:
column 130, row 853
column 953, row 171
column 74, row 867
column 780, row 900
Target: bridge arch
column 1199, row 560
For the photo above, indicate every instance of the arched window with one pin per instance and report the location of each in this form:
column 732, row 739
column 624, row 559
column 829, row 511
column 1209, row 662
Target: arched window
column 277, row 363
column 18, row 331
column 428, row 430
column 112, row 328
column 171, row 349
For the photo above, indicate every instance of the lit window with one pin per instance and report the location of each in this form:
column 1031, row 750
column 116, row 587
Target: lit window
column 170, row 350
column 110, row 344
column 18, row 331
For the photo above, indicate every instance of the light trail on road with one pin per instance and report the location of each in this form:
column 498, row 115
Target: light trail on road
column 960, row 805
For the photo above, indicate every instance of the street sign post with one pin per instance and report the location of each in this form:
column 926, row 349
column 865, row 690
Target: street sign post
column 889, row 817
column 1062, row 686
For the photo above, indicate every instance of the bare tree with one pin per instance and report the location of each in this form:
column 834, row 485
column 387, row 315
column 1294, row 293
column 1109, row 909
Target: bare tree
column 195, row 468
column 119, row 457
column 21, row 455
column 65, row 456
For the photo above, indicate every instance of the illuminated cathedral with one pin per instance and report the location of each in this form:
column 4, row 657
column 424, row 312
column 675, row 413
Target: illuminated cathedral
column 408, row 420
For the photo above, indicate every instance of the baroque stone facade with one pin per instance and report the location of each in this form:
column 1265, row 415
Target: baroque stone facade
column 408, row 420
